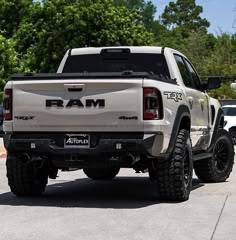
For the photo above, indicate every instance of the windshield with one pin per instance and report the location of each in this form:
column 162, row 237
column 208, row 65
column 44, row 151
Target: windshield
column 229, row 111
column 117, row 62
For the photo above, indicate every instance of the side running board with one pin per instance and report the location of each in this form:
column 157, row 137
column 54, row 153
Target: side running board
column 202, row 156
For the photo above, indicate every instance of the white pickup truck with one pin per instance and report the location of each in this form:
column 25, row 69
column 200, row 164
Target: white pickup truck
column 116, row 107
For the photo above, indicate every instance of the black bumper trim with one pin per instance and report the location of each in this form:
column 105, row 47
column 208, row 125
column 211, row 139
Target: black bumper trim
column 101, row 143
column 47, row 146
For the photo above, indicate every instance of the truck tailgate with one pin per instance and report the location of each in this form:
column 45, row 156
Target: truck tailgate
column 78, row 105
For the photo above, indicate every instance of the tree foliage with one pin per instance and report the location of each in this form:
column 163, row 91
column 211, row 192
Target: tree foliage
column 55, row 26
column 11, row 14
column 145, row 10
column 224, row 92
column 185, row 15
column 34, row 35
column 8, row 59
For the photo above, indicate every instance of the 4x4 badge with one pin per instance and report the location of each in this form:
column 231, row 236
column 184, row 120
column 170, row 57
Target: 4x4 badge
column 174, row 95
column 24, row 117
column 128, row 118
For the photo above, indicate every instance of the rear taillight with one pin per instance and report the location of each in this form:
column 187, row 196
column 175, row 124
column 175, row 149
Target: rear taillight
column 7, row 104
column 152, row 104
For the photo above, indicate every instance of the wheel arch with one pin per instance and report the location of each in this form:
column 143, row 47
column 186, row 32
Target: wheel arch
column 182, row 121
column 219, row 123
column 185, row 123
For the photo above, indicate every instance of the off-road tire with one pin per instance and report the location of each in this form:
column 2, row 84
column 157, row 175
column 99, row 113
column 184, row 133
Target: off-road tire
column 101, row 173
column 219, row 167
column 25, row 179
column 174, row 175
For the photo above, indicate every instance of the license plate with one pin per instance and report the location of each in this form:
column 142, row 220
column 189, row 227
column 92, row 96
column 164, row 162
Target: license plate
column 77, row 141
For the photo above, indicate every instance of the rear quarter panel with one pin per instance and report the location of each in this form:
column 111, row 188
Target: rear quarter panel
column 172, row 97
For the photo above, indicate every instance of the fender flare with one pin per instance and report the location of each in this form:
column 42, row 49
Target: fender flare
column 220, row 115
column 183, row 111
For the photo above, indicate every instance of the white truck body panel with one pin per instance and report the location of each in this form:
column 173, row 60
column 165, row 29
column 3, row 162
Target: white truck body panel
column 121, row 99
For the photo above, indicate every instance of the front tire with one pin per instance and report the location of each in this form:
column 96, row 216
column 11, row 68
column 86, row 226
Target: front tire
column 24, row 178
column 219, row 167
column 101, row 173
column 174, row 175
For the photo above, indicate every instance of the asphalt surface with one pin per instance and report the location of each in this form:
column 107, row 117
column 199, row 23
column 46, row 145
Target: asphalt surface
column 75, row 207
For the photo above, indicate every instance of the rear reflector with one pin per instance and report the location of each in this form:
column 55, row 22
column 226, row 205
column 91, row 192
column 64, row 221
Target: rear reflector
column 152, row 104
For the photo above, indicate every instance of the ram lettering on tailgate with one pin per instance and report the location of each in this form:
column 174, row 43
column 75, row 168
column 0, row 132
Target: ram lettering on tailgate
column 88, row 103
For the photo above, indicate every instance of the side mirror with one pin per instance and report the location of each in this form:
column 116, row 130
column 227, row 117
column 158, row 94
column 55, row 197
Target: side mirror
column 212, row 83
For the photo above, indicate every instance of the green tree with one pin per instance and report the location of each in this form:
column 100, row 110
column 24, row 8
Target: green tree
column 9, row 62
column 145, row 9
column 213, row 56
column 57, row 25
column 11, row 14
column 199, row 47
column 225, row 92
column 185, row 15
column 222, row 61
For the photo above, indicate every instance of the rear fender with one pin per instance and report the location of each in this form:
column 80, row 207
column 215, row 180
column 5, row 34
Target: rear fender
column 183, row 114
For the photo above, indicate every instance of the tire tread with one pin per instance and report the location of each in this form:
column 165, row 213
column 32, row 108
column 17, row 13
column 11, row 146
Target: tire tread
column 170, row 172
column 21, row 178
column 204, row 168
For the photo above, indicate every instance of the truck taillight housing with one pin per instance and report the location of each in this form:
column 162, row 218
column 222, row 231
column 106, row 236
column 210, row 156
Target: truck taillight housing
column 7, row 104
column 152, row 104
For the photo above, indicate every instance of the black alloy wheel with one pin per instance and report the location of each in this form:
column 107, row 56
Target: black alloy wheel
column 221, row 155
column 218, row 167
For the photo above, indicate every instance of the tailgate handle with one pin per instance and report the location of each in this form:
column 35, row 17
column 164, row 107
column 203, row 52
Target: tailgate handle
column 74, row 87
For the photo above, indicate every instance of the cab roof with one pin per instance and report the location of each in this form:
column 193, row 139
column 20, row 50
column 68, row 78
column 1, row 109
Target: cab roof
column 133, row 49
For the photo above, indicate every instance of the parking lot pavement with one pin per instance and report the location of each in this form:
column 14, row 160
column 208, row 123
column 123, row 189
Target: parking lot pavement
column 74, row 207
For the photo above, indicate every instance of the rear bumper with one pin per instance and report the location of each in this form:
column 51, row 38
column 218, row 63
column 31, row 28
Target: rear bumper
column 113, row 144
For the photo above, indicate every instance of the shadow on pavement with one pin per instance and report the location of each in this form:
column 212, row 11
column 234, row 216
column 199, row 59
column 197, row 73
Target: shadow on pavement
column 121, row 193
